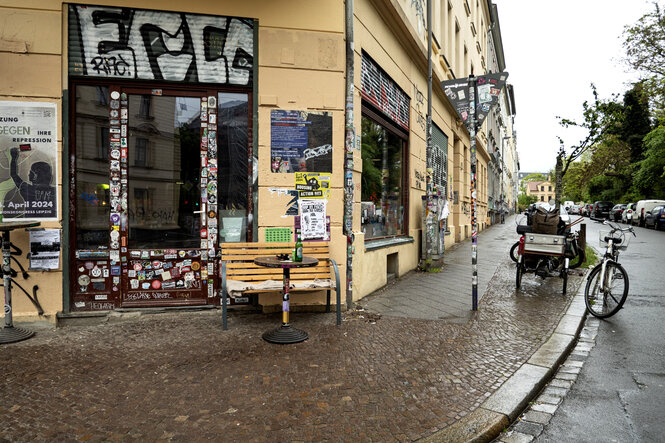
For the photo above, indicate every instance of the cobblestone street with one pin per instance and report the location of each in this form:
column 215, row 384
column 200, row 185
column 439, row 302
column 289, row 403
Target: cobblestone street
column 178, row 376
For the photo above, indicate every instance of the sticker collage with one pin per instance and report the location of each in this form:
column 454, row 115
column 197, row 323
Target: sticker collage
column 107, row 279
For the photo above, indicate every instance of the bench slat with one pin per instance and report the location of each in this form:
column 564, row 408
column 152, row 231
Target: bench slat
column 269, row 252
column 269, row 245
column 260, row 270
column 250, row 258
column 264, row 277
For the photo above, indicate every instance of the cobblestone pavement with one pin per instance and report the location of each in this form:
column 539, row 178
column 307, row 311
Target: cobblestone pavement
column 178, row 376
column 537, row 416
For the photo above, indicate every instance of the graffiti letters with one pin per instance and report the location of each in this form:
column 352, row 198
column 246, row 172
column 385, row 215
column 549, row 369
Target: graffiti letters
column 157, row 45
column 419, row 104
column 110, row 66
column 383, row 92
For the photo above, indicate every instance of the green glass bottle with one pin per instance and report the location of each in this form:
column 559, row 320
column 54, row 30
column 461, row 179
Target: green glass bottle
column 298, row 256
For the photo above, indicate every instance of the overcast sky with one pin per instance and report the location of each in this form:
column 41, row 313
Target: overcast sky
column 554, row 50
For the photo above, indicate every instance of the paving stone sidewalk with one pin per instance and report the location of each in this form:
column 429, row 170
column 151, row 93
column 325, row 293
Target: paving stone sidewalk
column 177, row 376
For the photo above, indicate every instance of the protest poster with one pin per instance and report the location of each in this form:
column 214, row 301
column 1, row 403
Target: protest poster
column 313, row 185
column 300, row 141
column 28, row 160
column 44, row 249
column 312, row 218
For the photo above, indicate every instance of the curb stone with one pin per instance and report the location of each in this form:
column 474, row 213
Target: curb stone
column 506, row 404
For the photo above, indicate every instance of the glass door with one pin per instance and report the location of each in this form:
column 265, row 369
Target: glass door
column 163, row 170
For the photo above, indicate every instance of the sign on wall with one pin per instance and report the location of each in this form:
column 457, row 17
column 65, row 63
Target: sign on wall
column 44, row 249
column 28, row 160
column 158, row 45
column 313, row 185
column 312, row 218
column 300, row 141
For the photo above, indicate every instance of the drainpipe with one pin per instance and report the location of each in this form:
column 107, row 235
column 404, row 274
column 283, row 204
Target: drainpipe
column 349, row 141
column 430, row 210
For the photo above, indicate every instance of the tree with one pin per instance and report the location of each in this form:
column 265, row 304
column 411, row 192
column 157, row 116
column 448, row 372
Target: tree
column 644, row 43
column 636, row 123
column 524, row 200
column 602, row 118
column 574, row 182
column 650, row 177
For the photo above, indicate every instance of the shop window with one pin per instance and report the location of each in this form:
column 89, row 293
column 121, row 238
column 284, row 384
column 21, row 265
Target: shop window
column 382, row 181
column 141, row 154
column 144, row 108
column 233, row 171
column 102, row 95
column 163, row 210
column 92, row 175
column 104, row 143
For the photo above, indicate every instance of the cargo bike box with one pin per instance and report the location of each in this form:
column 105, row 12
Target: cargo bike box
column 547, row 244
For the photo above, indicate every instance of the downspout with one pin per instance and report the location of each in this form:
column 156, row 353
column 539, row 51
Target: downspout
column 349, row 141
column 430, row 209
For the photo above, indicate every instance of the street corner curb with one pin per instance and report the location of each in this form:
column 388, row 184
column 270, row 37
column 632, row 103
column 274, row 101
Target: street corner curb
column 482, row 425
column 514, row 395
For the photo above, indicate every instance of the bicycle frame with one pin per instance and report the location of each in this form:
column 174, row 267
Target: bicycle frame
column 611, row 255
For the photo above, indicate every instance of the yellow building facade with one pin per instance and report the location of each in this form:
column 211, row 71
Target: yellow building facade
column 182, row 126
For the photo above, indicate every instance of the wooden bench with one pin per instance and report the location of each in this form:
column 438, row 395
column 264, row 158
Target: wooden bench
column 237, row 263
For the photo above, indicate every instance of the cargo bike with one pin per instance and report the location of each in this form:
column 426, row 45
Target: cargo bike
column 544, row 248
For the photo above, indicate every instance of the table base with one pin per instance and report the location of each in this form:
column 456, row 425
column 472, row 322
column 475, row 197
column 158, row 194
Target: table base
column 10, row 334
column 285, row 335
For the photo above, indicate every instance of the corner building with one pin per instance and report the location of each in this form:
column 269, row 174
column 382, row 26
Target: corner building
column 182, row 126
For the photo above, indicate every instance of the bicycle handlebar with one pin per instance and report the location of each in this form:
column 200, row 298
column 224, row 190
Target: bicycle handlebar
column 619, row 228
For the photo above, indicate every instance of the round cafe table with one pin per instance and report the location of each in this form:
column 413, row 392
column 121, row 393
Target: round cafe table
column 285, row 334
column 10, row 334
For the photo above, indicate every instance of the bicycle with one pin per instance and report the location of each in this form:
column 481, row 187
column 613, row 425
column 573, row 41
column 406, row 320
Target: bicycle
column 607, row 285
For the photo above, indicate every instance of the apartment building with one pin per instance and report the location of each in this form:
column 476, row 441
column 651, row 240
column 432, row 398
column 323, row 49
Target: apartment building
column 182, row 126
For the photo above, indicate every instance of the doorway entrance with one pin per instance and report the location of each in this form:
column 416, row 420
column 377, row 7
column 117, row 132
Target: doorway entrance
column 146, row 191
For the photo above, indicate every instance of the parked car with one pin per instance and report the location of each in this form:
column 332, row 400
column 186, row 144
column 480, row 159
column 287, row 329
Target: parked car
column 641, row 209
column 587, row 210
column 601, row 210
column 627, row 215
column 616, row 211
column 655, row 218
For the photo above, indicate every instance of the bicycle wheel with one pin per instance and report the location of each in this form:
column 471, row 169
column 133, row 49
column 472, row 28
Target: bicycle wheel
column 577, row 261
column 605, row 303
column 518, row 275
column 513, row 251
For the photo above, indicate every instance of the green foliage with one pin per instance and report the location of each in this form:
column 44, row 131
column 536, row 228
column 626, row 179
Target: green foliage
column 373, row 138
column 591, row 257
column 535, row 176
column 524, row 200
column 605, row 169
column 636, row 123
column 650, row 175
column 644, row 43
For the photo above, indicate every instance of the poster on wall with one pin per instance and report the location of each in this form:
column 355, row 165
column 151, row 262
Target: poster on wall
column 313, row 185
column 312, row 218
column 28, row 160
column 300, row 141
column 44, row 249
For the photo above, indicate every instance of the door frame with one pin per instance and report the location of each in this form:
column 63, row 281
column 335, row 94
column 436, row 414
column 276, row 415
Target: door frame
column 169, row 89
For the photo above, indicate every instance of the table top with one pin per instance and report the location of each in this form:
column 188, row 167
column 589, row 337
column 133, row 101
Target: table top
column 11, row 225
column 274, row 262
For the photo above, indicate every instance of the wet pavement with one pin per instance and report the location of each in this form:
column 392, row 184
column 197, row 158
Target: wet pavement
column 178, row 376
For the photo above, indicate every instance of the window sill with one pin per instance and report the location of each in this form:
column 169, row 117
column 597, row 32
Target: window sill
column 373, row 245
